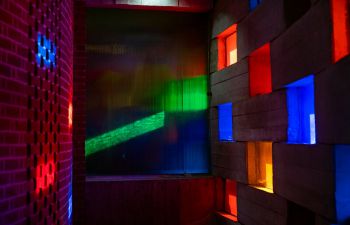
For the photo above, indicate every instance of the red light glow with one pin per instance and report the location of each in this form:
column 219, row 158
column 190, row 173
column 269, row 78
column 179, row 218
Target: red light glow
column 341, row 29
column 45, row 175
column 231, row 197
column 228, row 216
column 227, row 47
column 260, row 71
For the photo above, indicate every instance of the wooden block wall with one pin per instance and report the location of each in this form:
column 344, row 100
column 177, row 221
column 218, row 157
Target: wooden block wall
column 262, row 118
column 260, row 27
column 303, row 175
column 304, row 49
column 229, row 160
column 332, row 94
column 260, row 208
column 230, row 84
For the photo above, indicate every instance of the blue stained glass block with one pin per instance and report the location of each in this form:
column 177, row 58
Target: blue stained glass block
column 301, row 111
column 225, row 122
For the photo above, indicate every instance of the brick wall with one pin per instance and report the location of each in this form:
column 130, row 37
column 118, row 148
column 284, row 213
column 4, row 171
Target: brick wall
column 36, row 94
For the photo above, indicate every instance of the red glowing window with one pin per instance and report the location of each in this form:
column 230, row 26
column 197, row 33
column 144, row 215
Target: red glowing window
column 231, row 197
column 341, row 28
column 45, row 175
column 227, row 47
column 260, row 71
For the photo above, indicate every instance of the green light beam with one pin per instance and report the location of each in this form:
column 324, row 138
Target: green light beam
column 124, row 133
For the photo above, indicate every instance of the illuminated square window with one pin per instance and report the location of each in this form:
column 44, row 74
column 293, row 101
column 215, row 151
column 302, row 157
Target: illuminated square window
column 225, row 122
column 231, row 197
column 301, row 111
column 259, row 159
column 341, row 28
column 227, row 47
column 260, row 71
column 253, row 4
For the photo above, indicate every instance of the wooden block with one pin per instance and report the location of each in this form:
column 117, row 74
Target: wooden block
column 262, row 118
column 227, row 13
column 262, row 25
column 232, row 90
column 213, row 56
column 256, row 207
column 214, row 130
column 304, row 174
column 229, row 160
column 332, row 106
column 230, row 72
column 213, row 113
column 305, row 48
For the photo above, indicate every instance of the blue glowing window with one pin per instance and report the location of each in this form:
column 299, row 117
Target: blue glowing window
column 225, row 122
column 253, row 4
column 46, row 51
column 301, row 111
column 342, row 177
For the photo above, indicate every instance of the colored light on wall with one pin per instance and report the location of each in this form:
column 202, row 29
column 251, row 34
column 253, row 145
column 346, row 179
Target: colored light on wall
column 227, row 47
column 301, row 111
column 253, row 4
column 342, row 179
column 260, row 172
column 70, row 206
column 231, row 197
column 46, row 51
column 124, row 133
column 45, row 175
column 225, row 122
column 341, row 28
column 70, row 115
column 186, row 95
column 260, row 71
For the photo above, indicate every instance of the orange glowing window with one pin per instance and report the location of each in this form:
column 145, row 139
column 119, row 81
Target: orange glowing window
column 231, row 197
column 259, row 158
column 260, row 71
column 227, row 47
column 341, row 28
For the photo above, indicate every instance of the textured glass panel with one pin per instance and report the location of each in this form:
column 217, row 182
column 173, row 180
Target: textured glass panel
column 147, row 93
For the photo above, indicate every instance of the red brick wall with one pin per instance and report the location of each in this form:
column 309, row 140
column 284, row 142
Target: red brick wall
column 34, row 108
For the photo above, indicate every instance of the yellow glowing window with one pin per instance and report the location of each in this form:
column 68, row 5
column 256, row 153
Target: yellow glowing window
column 259, row 157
